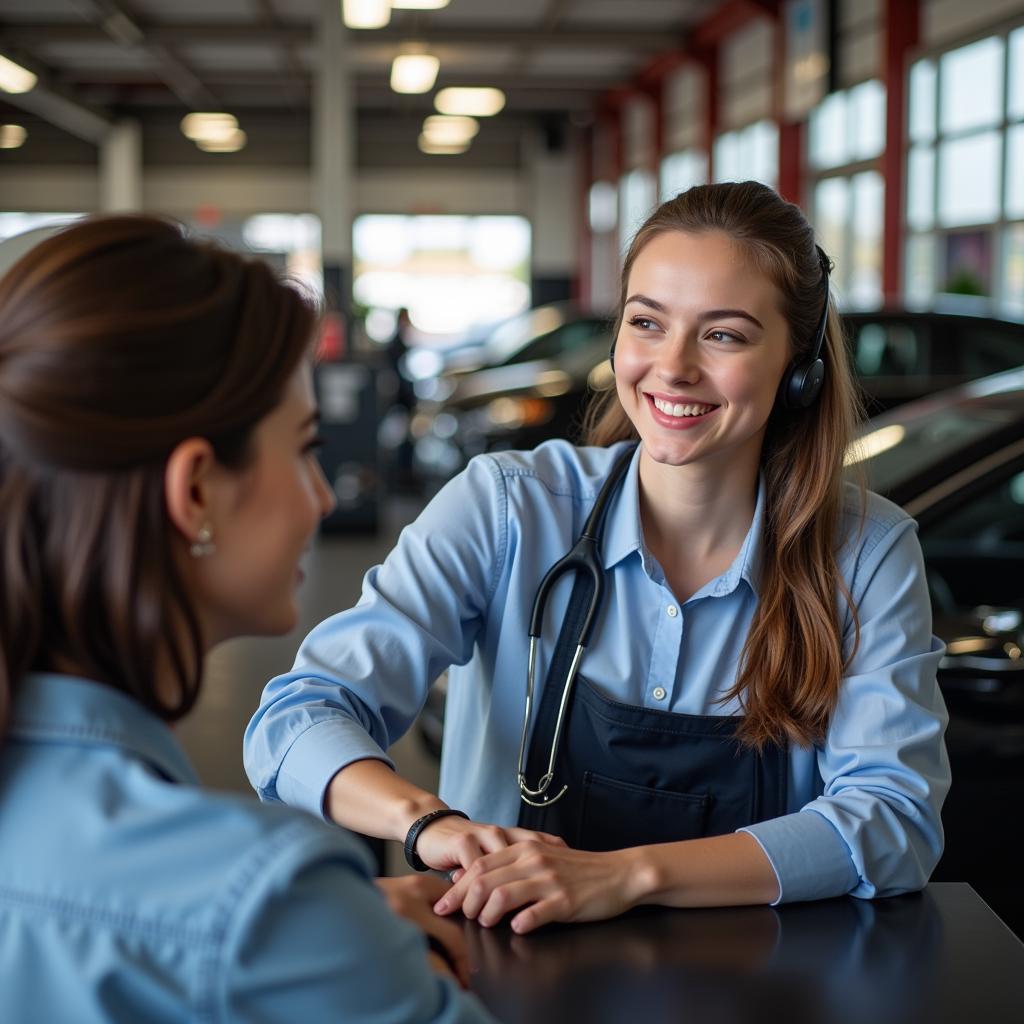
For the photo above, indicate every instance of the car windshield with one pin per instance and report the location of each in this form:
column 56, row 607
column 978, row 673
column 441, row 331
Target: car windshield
column 914, row 437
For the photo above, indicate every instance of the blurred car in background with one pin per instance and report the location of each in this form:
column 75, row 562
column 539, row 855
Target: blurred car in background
column 898, row 356
column 955, row 462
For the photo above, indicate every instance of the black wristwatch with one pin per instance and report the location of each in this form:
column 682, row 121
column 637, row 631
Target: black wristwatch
column 412, row 858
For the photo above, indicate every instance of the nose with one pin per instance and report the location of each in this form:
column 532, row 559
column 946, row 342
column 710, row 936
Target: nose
column 325, row 496
column 679, row 361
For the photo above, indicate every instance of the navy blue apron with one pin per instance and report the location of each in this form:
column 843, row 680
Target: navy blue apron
column 638, row 775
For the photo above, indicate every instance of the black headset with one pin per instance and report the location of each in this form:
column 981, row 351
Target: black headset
column 801, row 383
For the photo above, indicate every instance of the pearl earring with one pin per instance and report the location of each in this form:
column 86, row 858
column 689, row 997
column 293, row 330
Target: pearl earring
column 203, row 546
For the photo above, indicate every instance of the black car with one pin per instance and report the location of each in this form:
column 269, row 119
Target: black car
column 955, row 462
column 898, row 356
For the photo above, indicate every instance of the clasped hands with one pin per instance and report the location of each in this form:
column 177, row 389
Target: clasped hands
column 497, row 871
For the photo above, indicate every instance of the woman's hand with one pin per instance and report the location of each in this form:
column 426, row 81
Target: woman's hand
column 549, row 882
column 453, row 842
column 413, row 897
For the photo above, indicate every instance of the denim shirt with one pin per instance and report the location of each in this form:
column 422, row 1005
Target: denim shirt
column 127, row 893
column 457, row 591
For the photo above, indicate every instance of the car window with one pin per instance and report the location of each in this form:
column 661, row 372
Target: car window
column 982, row 351
column 974, row 552
column 567, row 338
column 888, row 350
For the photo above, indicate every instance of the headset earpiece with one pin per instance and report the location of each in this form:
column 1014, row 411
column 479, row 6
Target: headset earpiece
column 801, row 383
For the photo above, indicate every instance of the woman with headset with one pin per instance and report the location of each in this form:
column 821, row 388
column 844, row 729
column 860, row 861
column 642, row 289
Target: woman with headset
column 729, row 683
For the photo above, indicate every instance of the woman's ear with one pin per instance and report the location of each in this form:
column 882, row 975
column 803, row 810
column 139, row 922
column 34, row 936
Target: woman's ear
column 188, row 483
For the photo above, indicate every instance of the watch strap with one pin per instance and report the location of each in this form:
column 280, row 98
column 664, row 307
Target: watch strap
column 412, row 858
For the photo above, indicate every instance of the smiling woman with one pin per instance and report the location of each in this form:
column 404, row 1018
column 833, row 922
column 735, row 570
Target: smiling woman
column 739, row 704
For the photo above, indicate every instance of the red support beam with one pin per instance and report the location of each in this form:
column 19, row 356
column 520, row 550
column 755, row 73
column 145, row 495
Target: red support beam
column 582, row 281
column 902, row 27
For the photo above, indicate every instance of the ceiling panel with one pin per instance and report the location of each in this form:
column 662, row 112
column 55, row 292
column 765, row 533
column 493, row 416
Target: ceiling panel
column 636, row 14
column 100, row 55
column 233, row 56
column 41, row 10
column 553, row 60
column 518, row 13
column 195, row 10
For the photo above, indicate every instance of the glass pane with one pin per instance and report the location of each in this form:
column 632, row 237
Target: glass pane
column 867, row 120
column 604, row 203
column 680, row 171
column 919, row 270
column 760, row 152
column 969, row 179
column 865, row 277
column 1015, row 171
column 921, row 188
column 922, row 101
column 637, row 196
column 1016, row 98
column 728, row 166
column 828, row 132
column 831, row 213
column 972, row 86
column 1013, row 270
column 968, row 263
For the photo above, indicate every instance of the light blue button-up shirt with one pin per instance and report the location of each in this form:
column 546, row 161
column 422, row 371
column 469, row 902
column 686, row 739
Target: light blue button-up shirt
column 127, row 893
column 458, row 591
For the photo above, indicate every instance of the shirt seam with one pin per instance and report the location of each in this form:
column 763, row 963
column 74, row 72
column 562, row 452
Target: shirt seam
column 498, row 473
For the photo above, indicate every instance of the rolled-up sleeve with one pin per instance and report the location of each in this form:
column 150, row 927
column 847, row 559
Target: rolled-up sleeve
column 876, row 829
column 361, row 677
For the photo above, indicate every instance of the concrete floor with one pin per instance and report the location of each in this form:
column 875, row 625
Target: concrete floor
column 237, row 671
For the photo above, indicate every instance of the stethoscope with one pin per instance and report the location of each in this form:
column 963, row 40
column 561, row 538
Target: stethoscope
column 584, row 556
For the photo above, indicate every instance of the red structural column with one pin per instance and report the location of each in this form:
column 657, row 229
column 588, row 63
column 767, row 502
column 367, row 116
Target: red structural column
column 902, row 21
column 791, row 133
column 709, row 61
column 582, row 282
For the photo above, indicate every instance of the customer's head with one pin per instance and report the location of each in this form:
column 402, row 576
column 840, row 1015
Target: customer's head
column 156, row 486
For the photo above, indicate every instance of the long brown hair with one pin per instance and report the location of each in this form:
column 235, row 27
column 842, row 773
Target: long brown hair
column 120, row 337
column 792, row 663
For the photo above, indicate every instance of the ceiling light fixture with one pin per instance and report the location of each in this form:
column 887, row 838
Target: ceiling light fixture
column 481, row 101
column 12, row 136
column 365, row 13
column 231, row 144
column 208, row 126
column 444, row 128
column 435, row 148
column 14, row 78
column 414, row 72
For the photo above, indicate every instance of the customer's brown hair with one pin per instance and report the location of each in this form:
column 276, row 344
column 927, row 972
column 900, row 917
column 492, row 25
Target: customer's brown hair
column 792, row 663
column 120, row 337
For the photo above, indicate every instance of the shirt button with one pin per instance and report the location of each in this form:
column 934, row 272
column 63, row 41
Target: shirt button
column 672, row 610
column 659, row 693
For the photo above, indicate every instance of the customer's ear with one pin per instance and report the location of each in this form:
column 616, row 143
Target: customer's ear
column 189, row 480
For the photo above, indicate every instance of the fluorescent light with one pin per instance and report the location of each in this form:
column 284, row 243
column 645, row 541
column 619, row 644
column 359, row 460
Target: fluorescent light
column 450, row 148
column 232, row 144
column 446, row 129
column 477, row 101
column 418, row 5
column 414, row 72
column 366, row 13
column 208, row 126
column 15, row 78
column 12, row 136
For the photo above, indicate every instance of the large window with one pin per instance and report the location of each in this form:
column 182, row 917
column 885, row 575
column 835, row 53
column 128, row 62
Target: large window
column 965, row 174
column 750, row 153
column 846, row 137
column 682, row 170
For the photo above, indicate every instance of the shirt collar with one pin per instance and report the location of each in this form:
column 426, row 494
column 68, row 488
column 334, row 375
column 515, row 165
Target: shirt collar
column 61, row 708
column 623, row 535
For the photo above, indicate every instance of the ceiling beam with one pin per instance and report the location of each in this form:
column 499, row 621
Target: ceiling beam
column 34, row 33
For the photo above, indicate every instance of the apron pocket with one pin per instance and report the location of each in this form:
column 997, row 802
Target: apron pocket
column 618, row 814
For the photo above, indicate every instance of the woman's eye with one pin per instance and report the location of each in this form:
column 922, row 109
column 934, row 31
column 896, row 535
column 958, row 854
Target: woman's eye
column 313, row 444
column 645, row 323
column 725, row 336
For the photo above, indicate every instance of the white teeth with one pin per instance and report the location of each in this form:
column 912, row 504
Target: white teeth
column 671, row 409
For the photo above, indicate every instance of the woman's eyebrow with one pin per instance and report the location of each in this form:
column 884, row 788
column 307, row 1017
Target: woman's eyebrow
column 711, row 314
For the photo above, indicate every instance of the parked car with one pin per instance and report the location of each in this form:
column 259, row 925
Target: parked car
column 898, row 355
column 955, row 462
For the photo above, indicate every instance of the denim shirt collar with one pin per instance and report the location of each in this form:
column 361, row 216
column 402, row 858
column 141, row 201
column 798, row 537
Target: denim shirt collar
column 623, row 536
column 57, row 708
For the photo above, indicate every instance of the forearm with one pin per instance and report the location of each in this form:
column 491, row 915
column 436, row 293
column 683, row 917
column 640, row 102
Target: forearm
column 728, row 870
column 367, row 796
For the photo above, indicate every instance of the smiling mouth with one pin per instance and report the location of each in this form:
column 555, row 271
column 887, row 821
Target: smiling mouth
column 679, row 410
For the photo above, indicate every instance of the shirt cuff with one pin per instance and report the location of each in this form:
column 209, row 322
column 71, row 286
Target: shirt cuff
column 809, row 857
column 316, row 756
